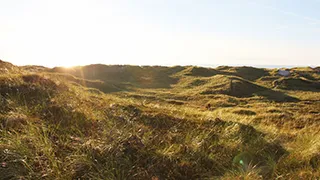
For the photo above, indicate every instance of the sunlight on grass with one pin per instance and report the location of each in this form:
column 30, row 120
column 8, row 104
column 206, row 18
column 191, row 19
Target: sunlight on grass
column 56, row 125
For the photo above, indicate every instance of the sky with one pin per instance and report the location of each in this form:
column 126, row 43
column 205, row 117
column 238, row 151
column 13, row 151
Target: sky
column 160, row 32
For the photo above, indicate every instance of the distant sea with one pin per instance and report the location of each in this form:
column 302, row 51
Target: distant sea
column 238, row 65
column 252, row 65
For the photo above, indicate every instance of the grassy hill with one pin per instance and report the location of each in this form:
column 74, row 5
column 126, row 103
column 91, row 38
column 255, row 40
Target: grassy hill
column 125, row 77
column 153, row 122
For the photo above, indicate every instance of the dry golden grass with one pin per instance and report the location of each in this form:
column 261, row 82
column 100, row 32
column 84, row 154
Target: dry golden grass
column 57, row 126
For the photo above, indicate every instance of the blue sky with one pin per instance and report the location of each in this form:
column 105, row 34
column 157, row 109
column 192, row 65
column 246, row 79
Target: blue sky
column 160, row 32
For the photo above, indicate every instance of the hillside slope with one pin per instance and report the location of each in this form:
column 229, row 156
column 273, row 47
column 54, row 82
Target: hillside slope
column 125, row 77
column 58, row 124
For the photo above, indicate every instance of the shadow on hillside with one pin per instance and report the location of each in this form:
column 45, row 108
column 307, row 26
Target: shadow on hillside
column 277, row 96
column 298, row 84
column 245, row 72
column 118, row 78
column 34, row 90
column 248, row 73
column 242, row 88
column 201, row 72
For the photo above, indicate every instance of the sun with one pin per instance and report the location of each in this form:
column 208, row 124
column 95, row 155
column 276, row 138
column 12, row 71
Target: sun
column 67, row 66
column 70, row 63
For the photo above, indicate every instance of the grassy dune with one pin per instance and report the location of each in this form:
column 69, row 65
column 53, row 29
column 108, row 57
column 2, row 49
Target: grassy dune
column 129, row 122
